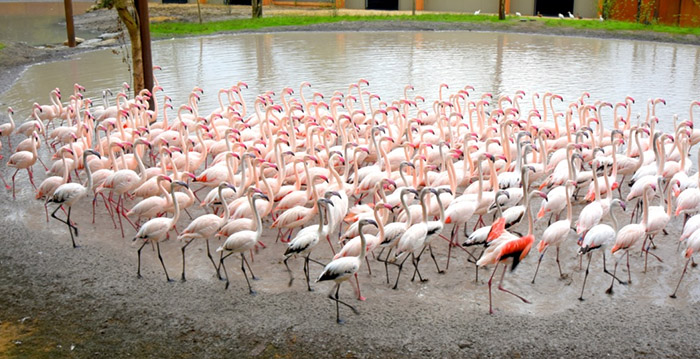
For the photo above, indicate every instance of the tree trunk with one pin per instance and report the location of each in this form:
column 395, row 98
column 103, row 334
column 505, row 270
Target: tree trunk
column 257, row 9
column 132, row 27
column 501, row 9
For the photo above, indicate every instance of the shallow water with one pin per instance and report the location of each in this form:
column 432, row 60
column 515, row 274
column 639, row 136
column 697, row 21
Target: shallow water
column 38, row 23
column 491, row 62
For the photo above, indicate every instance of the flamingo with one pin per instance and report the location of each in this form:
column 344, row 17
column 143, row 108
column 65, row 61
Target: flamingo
column 343, row 268
column 306, row 240
column 156, row 230
column 242, row 241
column 68, row 194
column 6, row 129
column 693, row 247
column 556, row 233
column 599, row 237
column 205, row 226
column 628, row 236
column 24, row 160
column 49, row 184
column 513, row 248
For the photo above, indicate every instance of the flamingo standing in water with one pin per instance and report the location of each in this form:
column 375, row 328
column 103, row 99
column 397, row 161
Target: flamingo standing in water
column 68, row 194
column 343, row 268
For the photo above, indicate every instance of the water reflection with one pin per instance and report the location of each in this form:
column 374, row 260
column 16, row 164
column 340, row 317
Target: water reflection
column 37, row 23
column 491, row 62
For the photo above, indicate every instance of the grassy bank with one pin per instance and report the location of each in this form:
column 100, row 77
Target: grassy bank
column 186, row 28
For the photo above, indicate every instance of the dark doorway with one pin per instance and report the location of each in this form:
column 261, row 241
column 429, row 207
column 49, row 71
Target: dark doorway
column 554, row 7
column 237, row 2
column 382, row 4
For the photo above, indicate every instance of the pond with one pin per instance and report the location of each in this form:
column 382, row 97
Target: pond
column 500, row 63
column 38, row 22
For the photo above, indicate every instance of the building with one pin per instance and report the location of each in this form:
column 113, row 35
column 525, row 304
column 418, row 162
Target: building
column 670, row 12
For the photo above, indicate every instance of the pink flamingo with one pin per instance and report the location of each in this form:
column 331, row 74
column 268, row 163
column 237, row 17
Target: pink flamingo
column 156, row 230
column 629, row 235
column 205, row 226
column 242, row 241
column 24, row 160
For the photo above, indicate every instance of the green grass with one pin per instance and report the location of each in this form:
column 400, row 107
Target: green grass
column 612, row 25
column 2, row 46
column 165, row 29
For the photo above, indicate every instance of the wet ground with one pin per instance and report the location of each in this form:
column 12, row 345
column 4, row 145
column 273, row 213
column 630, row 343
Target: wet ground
column 86, row 302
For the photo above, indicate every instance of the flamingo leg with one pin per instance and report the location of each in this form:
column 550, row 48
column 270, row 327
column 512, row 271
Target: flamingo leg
column 183, row 258
column 396, row 285
column 386, row 265
column 338, row 302
column 244, row 262
column 252, row 275
column 416, row 260
column 222, row 266
column 121, row 227
column 685, row 268
column 500, row 287
column 328, row 238
column 13, row 184
column 7, row 187
column 291, row 276
column 31, row 177
column 629, row 273
column 537, row 269
column 306, row 273
column 489, row 283
column 585, row 276
column 440, row 271
column 162, row 263
column 612, row 282
column 138, row 269
column 561, row 275
column 605, row 270
column 212, row 259
column 357, row 287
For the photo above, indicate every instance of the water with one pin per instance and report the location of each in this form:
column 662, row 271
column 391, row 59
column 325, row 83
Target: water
column 330, row 61
column 38, row 23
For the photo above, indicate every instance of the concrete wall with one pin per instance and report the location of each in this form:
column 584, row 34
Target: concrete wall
column 524, row 7
column 467, row 6
column 585, row 8
column 354, row 4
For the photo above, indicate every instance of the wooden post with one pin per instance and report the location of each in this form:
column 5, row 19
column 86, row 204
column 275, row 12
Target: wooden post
column 68, row 5
column 145, row 32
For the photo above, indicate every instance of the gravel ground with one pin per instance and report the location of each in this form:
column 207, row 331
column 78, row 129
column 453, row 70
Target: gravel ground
column 56, row 301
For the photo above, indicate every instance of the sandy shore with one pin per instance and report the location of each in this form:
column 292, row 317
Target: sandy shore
column 56, row 301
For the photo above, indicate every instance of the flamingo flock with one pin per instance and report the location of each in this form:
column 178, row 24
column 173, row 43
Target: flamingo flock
column 375, row 180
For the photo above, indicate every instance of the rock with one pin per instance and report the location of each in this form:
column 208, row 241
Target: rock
column 110, row 35
column 78, row 40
